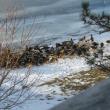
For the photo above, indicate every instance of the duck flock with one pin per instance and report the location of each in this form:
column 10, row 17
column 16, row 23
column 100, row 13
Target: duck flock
column 38, row 55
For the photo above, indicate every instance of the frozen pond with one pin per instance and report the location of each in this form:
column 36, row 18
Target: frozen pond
column 56, row 20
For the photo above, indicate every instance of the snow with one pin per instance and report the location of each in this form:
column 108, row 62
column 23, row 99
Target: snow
column 47, row 72
column 107, row 50
column 61, row 68
column 103, row 38
column 61, row 22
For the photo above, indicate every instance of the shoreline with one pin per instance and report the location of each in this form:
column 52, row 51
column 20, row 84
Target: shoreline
column 38, row 55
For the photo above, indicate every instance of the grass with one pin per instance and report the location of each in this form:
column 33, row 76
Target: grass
column 79, row 81
column 8, row 58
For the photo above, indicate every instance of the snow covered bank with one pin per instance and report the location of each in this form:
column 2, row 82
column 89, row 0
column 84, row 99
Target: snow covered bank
column 60, row 68
column 47, row 72
column 49, row 96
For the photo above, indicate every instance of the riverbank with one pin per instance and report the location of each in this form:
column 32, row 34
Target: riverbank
column 39, row 55
column 60, row 72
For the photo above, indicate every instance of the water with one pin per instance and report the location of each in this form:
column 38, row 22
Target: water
column 56, row 20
